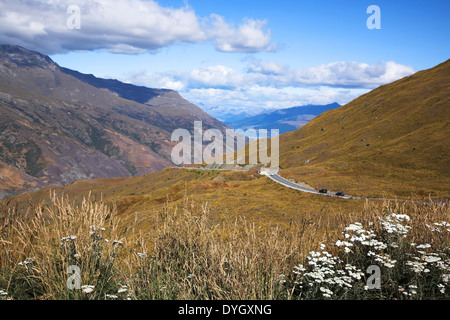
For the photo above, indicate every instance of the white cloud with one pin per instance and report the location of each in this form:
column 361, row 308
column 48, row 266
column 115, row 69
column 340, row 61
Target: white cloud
column 248, row 37
column 350, row 74
column 121, row 26
column 268, row 74
column 215, row 76
column 267, row 67
column 168, row 80
column 271, row 85
column 262, row 98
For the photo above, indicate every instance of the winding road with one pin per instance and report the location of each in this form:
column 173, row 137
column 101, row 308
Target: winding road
column 274, row 176
column 278, row 179
column 292, row 185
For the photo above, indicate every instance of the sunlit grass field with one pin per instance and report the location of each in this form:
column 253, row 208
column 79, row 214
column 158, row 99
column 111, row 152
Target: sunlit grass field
column 189, row 253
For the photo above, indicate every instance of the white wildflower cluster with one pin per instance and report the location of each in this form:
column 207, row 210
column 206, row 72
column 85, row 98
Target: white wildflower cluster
column 87, row 289
column 116, row 243
column 385, row 260
column 142, row 255
column 3, row 293
column 353, row 272
column 423, row 263
column 361, row 236
column 96, row 232
column 326, row 292
column 408, row 292
column 345, row 244
column 358, row 236
column 299, row 269
column 27, row 261
column 328, row 275
column 442, row 226
column 393, row 224
column 68, row 239
column 123, row 291
column 423, row 246
column 281, row 279
column 418, row 266
column 444, row 278
column 324, row 271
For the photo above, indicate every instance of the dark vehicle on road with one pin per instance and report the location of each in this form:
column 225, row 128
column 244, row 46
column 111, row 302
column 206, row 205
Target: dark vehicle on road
column 340, row 194
column 323, row 190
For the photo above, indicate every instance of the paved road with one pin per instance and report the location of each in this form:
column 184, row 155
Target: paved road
column 278, row 179
column 289, row 184
column 292, row 185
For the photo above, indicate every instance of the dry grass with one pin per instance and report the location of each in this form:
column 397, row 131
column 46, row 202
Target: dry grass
column 42, row 235
column 187, row 255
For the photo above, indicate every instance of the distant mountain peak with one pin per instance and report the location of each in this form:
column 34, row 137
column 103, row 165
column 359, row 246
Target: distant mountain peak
column 285, row 120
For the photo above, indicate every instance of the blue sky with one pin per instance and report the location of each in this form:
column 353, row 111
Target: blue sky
column 234, row 55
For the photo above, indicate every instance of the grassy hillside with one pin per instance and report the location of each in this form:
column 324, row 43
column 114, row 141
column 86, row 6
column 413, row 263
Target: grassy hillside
column 188, row 256
column 393, row 140
column 229, row 195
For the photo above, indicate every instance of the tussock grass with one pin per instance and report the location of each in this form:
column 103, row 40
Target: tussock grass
column 188, row 255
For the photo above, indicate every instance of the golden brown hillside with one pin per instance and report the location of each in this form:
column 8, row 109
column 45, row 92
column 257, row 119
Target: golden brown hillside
column 227, row 194
column 393, row 140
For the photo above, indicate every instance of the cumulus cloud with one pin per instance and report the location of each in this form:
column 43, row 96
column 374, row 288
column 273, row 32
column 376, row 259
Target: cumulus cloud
column 267, row 67
column 259, row 98
column 121, row 26
column 266, row 85
column 350, row 74
column 215, row 76
column 248, row 37
column 269, row 74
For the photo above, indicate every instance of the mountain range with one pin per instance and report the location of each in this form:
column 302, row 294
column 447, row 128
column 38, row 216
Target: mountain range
column 284, row 120
column 58, row 125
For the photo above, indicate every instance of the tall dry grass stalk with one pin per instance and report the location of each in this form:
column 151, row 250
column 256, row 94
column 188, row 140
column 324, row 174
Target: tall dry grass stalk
column 54, row 237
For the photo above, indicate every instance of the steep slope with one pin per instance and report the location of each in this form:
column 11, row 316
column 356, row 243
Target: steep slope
column 394, row 139
column 55, row 128
column 165, row 102
column 284, row 120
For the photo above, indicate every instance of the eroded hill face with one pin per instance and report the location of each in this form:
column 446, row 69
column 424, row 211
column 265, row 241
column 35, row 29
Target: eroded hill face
column 394, row 139
column 56, row 128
